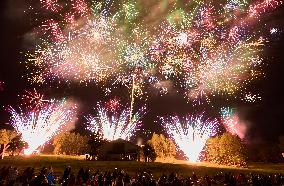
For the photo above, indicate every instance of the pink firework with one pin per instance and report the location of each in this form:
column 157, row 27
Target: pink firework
column 113, row 105
column 232, row 122
column 53, row 27
column 51, row 5
column 262, row 7
column 80, row 7
column 34, row 100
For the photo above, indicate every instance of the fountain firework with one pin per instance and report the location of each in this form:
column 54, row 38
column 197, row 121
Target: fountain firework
column 190, row 133
column 39, row 126
column 112, row 121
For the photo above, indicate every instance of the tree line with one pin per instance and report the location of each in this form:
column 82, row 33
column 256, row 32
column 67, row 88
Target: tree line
column 225, row 149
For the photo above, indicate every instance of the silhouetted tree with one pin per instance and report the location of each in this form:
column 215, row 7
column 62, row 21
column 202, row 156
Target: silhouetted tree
column 17, row 144
column 95, row 142
column 149, row 152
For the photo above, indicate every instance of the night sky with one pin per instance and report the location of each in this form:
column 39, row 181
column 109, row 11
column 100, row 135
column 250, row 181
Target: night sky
column 264, row 118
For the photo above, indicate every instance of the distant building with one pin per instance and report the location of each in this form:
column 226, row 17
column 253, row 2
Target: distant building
column 120, row 150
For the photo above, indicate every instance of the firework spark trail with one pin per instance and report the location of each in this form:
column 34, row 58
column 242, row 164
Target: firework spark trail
column 115, row 125
column 78, row 9
column 190, row 133
column 232, row 122
column 40, row 126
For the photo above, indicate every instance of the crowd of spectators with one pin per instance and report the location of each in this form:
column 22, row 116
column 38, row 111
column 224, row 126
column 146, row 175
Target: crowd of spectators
column 11, row 176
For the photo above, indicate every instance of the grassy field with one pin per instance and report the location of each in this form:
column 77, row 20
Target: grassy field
column 60, row 162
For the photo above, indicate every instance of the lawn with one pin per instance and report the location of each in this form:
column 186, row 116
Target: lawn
column 60, row 162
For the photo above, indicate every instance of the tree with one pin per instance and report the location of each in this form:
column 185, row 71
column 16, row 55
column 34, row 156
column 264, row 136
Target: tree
column 6, row 137
column 70, row 144
column 171, row 148
column 265, row 151
column 212, row 153
column 149, row 152
column 94, row 143
column 226, row 149
column 17, row 144
column 164, row 147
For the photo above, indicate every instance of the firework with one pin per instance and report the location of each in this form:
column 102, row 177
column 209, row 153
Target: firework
column 134, row 65
column 83, row 57
column 207, row 54
column 34, row 100
column 52, row 5
column 115, row 125
column 232, row 122
column 251, row 98
column 274, row 30
column 259, row 8
column 52, row 27
column 190, row 133
column 205, row 49
column 37, row 127
column 113, row 105
column 80, row 7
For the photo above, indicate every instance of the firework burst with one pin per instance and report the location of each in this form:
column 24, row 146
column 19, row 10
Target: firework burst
column 34, row 100
column 37, row 127
column 205, row 49
column 115, row 125
column 51, row 5
column 207, row 52
column 190, row 133
column 83, row 55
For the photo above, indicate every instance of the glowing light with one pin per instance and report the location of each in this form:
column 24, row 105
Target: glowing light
column 79, row 57
column 207, row 62
column 273, row 30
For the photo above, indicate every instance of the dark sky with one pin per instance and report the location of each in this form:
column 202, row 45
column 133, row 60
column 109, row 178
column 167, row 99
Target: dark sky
column 264, row 118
